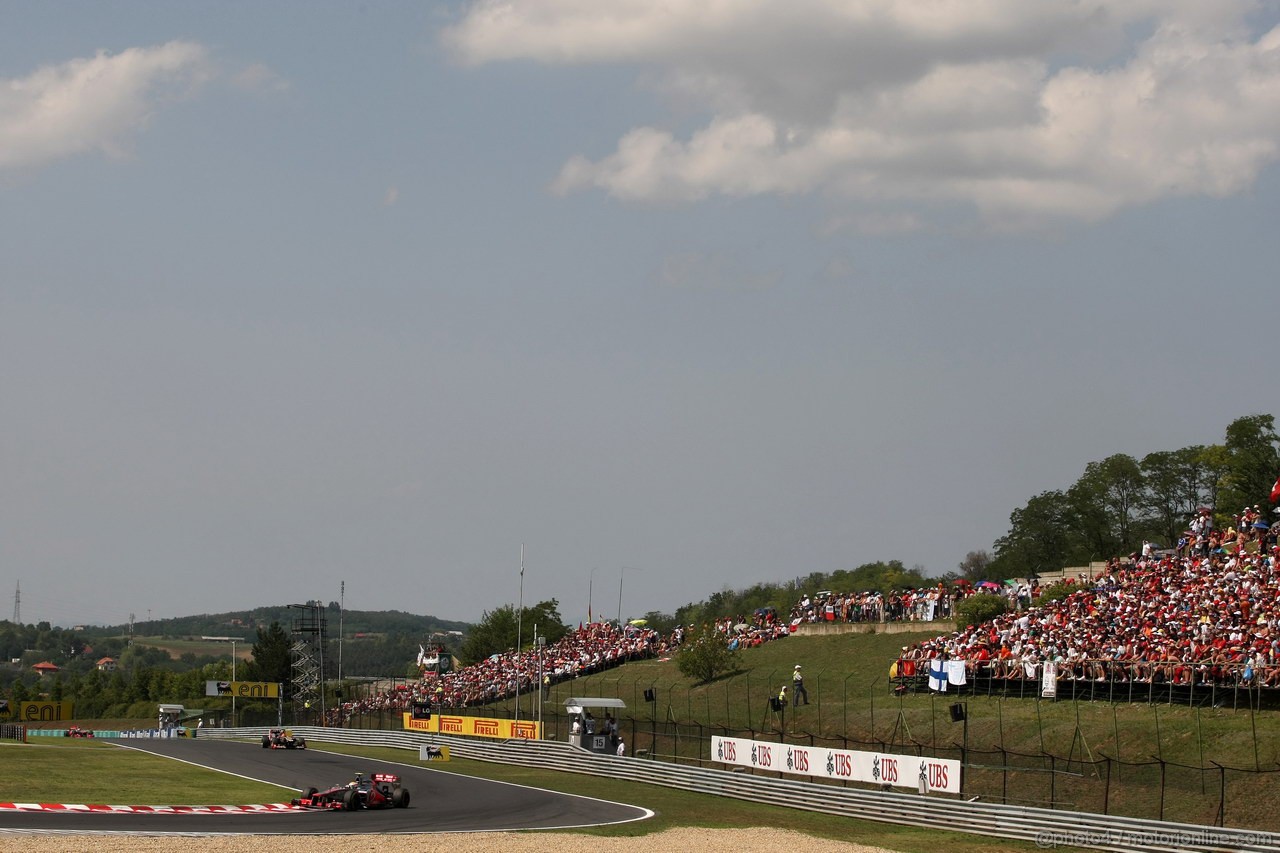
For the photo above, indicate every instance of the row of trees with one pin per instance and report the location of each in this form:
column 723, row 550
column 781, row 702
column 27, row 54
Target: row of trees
column 1121, row 501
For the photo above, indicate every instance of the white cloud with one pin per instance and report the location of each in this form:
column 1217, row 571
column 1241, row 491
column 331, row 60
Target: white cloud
column 1018, row 109
column 93, row 104
column 260, row 78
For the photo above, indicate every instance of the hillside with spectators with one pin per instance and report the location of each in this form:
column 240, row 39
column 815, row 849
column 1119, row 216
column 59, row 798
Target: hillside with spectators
column 1205, row 613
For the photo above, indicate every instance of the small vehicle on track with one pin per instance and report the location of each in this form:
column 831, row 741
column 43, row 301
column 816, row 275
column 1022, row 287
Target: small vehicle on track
column 282, row 739
column 378, row 791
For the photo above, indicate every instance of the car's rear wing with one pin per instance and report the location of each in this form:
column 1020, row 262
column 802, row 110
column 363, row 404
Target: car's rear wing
column 385, row 777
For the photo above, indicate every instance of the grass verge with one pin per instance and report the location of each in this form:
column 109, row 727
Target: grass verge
column 55, row 770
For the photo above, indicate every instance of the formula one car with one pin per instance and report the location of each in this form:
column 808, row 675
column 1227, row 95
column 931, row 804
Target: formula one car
column 379, row 791
column 282, row 739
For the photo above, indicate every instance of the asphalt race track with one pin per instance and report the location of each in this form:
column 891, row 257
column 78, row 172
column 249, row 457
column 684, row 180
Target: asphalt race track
column 439, row 801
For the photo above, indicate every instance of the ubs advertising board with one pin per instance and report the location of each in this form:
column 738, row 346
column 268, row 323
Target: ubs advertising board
column 878, row 768
column 454, row 724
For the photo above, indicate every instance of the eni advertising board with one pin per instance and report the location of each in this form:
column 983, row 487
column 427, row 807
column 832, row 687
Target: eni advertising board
column 243, row 689
column 43, row 712
column 454, row 724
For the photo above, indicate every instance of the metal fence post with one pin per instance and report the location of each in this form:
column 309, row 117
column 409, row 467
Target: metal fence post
column 1106, row 790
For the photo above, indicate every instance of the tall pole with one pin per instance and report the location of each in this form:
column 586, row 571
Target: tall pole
column 342, row 601
column 532, row 713
column 519, row 632
column 621, row 578
column 233, row 678
column 539, row 643
column 590, row 580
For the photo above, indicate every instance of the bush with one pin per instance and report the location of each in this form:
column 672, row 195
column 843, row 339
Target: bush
column 979, row 608
column 705, row 654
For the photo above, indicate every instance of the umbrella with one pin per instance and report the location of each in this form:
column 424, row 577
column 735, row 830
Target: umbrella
column 989, row 585
column 962, row 582
column 1261, row 525
column 638, row 622
column 1010, row 582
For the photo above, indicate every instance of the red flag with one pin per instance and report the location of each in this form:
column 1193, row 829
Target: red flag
column 1275, row 491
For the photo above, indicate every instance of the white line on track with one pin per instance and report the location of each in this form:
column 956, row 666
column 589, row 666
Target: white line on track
column 197, row 764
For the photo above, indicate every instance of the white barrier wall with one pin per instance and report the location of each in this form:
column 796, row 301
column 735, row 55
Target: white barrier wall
column 878, row 768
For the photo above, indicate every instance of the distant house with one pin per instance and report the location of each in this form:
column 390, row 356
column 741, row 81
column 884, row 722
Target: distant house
column 107, row 664
column 47, row 668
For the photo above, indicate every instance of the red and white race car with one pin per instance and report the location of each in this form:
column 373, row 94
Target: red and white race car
column 379, row 791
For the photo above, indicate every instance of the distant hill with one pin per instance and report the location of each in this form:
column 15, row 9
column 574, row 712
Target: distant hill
column 245, row 623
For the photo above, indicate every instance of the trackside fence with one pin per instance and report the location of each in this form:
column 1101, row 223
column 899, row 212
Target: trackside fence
column 1045, row 827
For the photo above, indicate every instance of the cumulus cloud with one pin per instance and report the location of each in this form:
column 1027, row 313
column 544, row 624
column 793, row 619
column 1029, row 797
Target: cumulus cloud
column 93, row 104
column 1070, row 109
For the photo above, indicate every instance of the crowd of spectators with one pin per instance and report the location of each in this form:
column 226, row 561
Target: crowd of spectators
column 590, row 648
column 1206, row 612
column 908, row 605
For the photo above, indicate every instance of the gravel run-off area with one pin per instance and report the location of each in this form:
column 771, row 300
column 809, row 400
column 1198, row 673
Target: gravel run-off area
column 735, row 840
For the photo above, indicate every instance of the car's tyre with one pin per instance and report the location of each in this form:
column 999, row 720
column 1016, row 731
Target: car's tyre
column 400, row 798
column 310, row 793
column 350, row 800
column 266, row 742
column 302, row 743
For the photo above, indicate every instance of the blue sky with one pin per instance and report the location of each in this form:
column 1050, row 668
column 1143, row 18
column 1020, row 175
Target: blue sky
column 299, row 293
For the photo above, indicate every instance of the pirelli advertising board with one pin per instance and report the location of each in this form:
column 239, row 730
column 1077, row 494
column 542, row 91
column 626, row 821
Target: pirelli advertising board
column 455, row 724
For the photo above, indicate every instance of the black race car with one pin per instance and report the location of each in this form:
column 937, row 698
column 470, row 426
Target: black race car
column 282, row 739
column 379, row 791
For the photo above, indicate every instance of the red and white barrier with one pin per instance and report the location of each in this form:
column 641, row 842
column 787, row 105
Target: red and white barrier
column 102, row 809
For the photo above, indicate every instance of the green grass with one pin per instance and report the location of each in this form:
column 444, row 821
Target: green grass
column 59, row 770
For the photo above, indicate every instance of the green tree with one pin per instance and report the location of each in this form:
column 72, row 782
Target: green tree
column 1215, row 461
column 705, row 654
column 498, row 630
column 1163, row 474
column 974, row 566
column 1252, row 445
column 1105, row 499
column 1039, row 538
column 272, row 660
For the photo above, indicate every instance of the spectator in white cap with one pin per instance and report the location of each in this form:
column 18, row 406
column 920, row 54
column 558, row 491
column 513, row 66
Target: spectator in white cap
column 797, row 684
